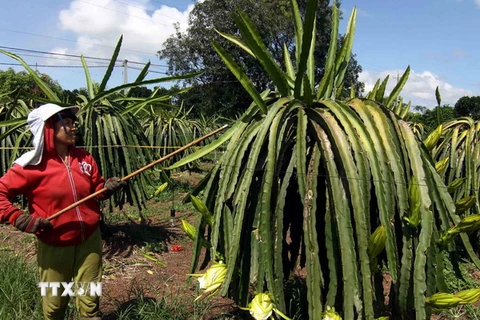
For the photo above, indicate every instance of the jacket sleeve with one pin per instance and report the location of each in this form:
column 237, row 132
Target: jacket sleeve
column 98, row 181
column 12, row 184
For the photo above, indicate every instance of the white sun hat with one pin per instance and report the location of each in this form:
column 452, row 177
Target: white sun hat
column 36, row 120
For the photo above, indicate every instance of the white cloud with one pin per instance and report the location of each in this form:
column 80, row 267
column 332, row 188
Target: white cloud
column 98, row 25
column 478, row 3
column 420, row 87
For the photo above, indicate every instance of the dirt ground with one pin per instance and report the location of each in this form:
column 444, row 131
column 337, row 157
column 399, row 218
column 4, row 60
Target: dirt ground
column 128, row 271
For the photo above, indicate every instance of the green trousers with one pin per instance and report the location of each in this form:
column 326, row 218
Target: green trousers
column 81, row 264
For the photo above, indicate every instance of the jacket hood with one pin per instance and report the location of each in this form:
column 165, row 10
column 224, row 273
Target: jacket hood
column 36, row 120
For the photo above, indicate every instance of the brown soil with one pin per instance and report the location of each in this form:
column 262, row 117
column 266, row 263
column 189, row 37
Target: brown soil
column 130, row 272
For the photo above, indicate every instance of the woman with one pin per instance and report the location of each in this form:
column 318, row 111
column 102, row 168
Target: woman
column 53, row 176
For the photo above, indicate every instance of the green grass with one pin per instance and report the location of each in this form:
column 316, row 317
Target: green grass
column 457, row 281
column 138, row 305
column 19, row 294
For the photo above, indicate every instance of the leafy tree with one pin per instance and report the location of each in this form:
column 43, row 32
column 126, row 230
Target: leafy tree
column 140, row 92
column 22, row 85
column 73, row 96
column 468, row 107
column 217, row 90
column 429, row 117
column 420, row 109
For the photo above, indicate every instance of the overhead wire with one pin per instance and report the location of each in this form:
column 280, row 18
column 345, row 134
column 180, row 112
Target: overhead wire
column 74, row 41
column 74, row 55
column 50, row 66
column 47, row 57
column 59, row 56
column 152, row 71
column 22, row 50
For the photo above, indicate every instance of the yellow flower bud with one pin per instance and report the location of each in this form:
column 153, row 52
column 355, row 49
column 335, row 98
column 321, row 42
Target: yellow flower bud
column 441, row 165
column 377, row 241
column 414, row 217
column 261, row 307
column 468, row 224
column 457, row 183
column 431, row 141
column 211, row 280
column 161, row 188
column 189, row 229
column 443, row 300
column 469, row 296
column 464, row 204
column 330, row 314
column 202, row 208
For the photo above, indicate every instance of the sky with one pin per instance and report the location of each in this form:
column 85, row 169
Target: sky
column 438, row 39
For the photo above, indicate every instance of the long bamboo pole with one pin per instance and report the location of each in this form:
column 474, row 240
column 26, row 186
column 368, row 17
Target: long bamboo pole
column 148, row 166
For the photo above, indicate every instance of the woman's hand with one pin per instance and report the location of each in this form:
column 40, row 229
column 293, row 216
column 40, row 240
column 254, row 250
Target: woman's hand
column 32, row 224
column 114, row 184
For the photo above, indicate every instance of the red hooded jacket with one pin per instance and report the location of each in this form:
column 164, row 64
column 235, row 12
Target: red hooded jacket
column 51, row 186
